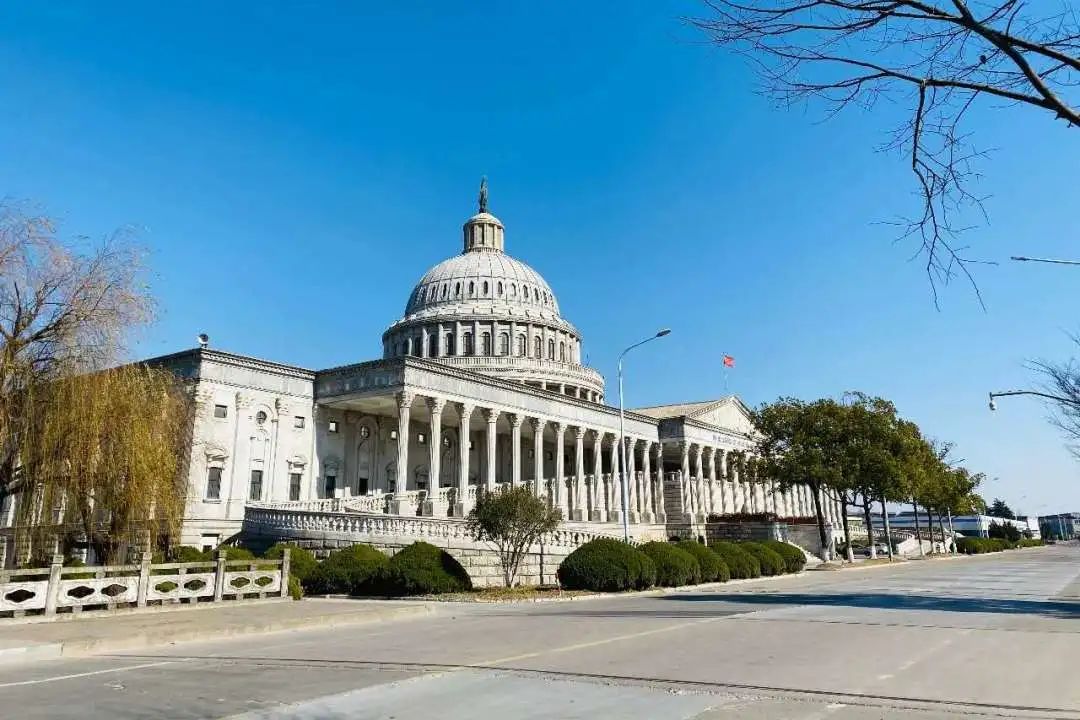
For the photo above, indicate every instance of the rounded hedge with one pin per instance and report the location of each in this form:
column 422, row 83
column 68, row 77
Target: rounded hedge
column 771, row 562
column 301, row 562
column 355, row 570
column 713, row 567
column 674, row 566
column 607, row 565
column 423, row 569
column 794, row 558
column 742, row 564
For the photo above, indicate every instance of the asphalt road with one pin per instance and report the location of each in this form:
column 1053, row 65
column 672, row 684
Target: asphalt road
column 994, row 636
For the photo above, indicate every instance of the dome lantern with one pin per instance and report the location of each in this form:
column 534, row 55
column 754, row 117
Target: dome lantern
column 483, row 231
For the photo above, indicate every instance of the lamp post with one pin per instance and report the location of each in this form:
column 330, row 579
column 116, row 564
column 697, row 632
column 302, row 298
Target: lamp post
column 622, row 433
column 1048, row 396
column 1021, row 258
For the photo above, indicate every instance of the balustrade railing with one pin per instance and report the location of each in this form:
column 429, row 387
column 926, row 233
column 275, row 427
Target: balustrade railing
column 47, row 591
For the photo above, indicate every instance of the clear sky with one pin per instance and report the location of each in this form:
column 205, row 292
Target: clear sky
column 295, row 167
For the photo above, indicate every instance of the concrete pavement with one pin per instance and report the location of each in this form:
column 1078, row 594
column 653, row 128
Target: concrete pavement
column 992, row 636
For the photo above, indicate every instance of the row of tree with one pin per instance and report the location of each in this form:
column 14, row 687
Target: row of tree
column 89, row 449
column 860, row 451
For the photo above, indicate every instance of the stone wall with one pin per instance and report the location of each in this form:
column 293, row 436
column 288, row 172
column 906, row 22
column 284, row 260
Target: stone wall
column 323, row 531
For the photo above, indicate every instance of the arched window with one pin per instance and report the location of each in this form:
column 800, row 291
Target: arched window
column 500, row 288
column 551, row 349
column 525, row 293
column 504, row 343
column 485, row 344
column 513, row 291
column 403, row 349
column 472, row 289
column 562, row 352
column 536, row 295
column 467, row 341
column 417, row 346
column 450, row 345
column 538, row 347
column 457, row 289
column 445, row 289
column 485, row 288
column 433, row 345
column 521, row 346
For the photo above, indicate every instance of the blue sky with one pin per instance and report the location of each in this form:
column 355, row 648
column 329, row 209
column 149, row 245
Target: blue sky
column 294, row 169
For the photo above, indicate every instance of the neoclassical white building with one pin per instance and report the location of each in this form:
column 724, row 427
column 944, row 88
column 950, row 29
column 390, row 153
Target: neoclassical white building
column 481, row 383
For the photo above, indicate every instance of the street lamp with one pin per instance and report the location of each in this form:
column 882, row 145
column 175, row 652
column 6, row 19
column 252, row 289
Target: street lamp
column 1021, row 258
column 622, row 433
column 1048, row 396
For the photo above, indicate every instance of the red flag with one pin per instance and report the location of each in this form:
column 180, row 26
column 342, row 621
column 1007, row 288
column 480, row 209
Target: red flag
column 729, row 361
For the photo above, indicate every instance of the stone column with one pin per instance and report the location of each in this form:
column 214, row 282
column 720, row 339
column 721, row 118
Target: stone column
column 699, row 481
column 435, row 406
column 462, row 505
column 658, row 488
column 614, row 497
column 647, row 495
column 516, row 420
column 423, row 341
column 400, row 504
column 597, row 506
column 684, row 480
column 538, row 456
column 491, row 415
column 578, row 511
column 710, row 495
column 630, row 445
column 558, row 485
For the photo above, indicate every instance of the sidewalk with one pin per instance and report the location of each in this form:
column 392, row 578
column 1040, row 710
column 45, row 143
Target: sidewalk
column 24, row 641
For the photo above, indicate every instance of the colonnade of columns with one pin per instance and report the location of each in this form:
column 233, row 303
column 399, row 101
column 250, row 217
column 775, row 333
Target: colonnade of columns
column 709, row 479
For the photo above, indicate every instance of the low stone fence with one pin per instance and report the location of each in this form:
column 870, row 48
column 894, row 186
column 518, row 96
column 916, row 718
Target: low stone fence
column 48, row 591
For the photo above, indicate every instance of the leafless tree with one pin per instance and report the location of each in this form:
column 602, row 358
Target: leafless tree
column 1062, row 379
column 937, row 58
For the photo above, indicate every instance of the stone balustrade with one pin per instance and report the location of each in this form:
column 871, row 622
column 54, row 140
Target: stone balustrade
column 45, row 591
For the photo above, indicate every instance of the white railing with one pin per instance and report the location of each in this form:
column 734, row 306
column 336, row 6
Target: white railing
column 367, row 528
column 47, row 590
column 367, row 503
column 570, row 371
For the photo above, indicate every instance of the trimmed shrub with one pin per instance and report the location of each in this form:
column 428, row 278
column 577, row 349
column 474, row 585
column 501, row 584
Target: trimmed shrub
column 674, row 566
column 356, row 570
column 741, row 563
column 423, row 569
column 301, row 562
column 186, row 553
column 237, row 553
column 607, row 565
column 794, row 558
column 296, row 590
column 771, row 562
column 713, row 567
column 1031, row 542
column 978, row 546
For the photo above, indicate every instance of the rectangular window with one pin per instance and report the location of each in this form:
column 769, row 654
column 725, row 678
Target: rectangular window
column 256, row 485
column 332, row 426
column 221, row 411
column 294, row 486
column 213, row 483
column 298, row 422
column 330, row 485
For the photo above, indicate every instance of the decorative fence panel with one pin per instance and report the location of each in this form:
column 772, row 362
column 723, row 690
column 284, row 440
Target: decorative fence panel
column 74, row 589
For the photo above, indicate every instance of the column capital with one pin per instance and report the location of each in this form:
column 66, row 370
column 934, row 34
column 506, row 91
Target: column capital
column 465, row 410
column 560, row 427
column 708, row 451
column 597, row 435
column 436, row 405
column 491, row 415
column 404, row 399
column 516, row 419
column 579, row 432
column 538, row 424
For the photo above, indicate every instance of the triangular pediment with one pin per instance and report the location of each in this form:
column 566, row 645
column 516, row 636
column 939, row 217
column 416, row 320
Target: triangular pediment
column 728, row 413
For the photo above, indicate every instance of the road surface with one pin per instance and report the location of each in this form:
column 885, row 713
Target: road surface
column 991, row 636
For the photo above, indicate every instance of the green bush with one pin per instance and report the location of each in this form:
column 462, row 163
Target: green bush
column 713, row 567
column 236, row 553
column 296, row 590
column 1030, row 542
column 794, row 558
column 301, row 562
column 979, row 546
column 771, row 562
column 741, row 563
column 674, row 566
column 423, row 569
column 355, row 570
column 186, row 553
column 607, row 565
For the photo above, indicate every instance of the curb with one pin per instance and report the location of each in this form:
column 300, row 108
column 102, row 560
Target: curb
column 161, row 636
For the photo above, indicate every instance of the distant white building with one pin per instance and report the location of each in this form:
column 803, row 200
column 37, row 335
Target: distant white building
column 968, row 525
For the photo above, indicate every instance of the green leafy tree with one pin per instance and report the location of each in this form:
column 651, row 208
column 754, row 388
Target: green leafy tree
column 1000, row 509
column 511, row 520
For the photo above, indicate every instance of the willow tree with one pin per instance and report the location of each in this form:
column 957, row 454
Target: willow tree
column 105, row 455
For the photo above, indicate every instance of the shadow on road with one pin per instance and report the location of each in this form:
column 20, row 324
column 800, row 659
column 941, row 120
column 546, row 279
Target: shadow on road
column 1045, row 608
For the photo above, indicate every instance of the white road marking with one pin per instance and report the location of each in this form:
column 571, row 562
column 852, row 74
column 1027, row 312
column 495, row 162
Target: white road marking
column 72, row 676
